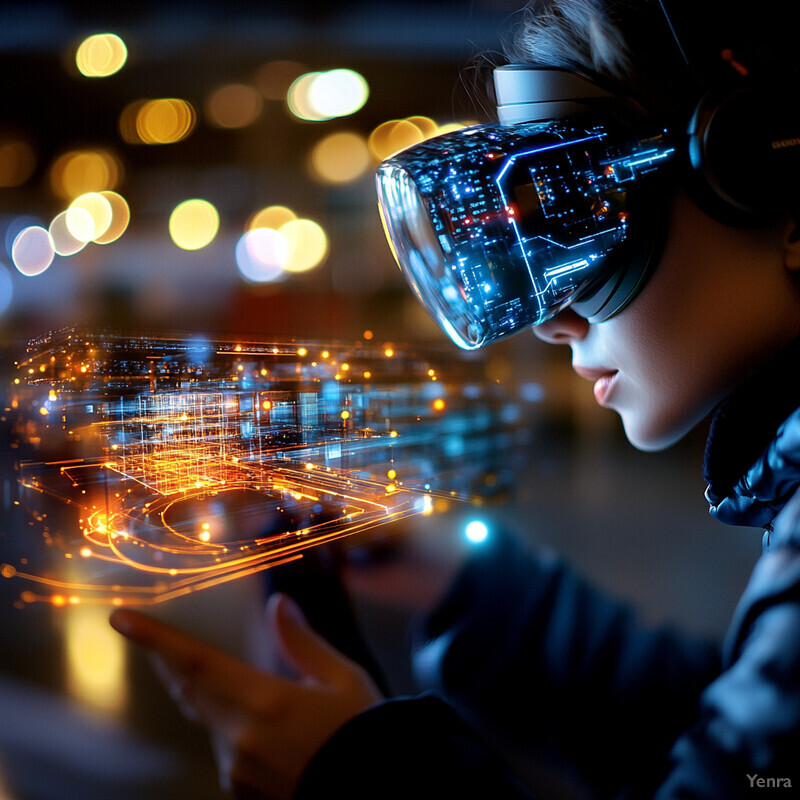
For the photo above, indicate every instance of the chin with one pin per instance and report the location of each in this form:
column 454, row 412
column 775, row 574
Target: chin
column 652, row 438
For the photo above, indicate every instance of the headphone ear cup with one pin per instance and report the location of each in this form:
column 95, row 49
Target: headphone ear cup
column 744, row 151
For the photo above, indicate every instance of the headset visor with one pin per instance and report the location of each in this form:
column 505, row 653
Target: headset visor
column 498, row 227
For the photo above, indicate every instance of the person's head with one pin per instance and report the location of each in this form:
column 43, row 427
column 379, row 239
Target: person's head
column 722, row 299
column 665, row 332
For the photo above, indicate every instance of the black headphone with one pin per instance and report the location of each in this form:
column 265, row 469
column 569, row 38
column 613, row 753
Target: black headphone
column 743, row 143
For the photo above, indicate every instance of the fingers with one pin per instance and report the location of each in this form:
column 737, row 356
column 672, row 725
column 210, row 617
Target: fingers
column 302, row 647
column 200, row 677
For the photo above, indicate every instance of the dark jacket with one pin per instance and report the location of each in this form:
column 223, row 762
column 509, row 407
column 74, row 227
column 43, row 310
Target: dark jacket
column 526, row 656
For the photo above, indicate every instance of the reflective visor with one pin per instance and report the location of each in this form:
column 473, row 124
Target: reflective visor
column 498, row 227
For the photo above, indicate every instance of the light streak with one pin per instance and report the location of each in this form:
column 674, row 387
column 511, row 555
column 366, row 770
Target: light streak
column 185, row 485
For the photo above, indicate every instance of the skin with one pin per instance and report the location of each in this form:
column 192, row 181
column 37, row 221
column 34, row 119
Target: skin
column 265, row 727
column 721, row 301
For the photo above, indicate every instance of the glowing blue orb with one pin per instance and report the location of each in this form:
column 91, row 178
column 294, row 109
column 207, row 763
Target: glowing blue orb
column 476, row 531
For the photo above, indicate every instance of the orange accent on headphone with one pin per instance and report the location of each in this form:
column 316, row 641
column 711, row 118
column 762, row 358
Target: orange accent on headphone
column 727, row 55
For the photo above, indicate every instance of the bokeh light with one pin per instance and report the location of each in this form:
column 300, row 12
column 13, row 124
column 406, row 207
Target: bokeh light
column 261, row 254
column 64, row 243
column 89, row 216
column 337, row 93
column 193, row 224
column 163, row 120
column 33, row 251
column 120, row 218
column 17, row 162
column 340, row 158
column 235, row 105
column 101, row 55
column 274, row 79
column 80, row 171
column 297, row 98
column 476, row 531
column 6, row 288
column 393, row 136
column 307, row 245
column 271, row 217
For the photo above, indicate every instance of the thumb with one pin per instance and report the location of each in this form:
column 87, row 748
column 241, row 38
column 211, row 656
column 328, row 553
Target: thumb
column 302, row 647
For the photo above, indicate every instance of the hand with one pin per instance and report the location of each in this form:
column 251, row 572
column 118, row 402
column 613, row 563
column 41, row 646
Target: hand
column 265, row 728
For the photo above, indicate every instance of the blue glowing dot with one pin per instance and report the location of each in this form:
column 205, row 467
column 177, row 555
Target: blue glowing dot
column 476, row 531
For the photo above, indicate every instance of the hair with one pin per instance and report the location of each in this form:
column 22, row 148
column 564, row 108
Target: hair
column 570, row 34
column 630, row 46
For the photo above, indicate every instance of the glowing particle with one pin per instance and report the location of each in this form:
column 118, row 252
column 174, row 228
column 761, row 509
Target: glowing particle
column 78, row 172
column 393, row 434
column 17, row 162
column 7, row 571
column 297, row 98
column 368, row 334
column 266, row 405
column 438, row 404
column 340, row 158
column 58, row 600
column 86, row 551
column 388, row 352
column 44, row 411
column 271, row 217
column 164, row 120
column 89, row 216
column 325, row 354
column 101, row 55
column 120, row 217
column 306, row 243
column 391, row 474
column 367, row 374
column 476, row 532
column 393, row 136
column 193, row 224
column 345, row 415
column 337, row 93
column 309, row 465
column 302, row 352
column 261, row 255
column 64, row 243
column 33, row 251
column 235, row 105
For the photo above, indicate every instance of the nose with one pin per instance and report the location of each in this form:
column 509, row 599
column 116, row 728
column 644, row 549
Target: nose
column 564, row 328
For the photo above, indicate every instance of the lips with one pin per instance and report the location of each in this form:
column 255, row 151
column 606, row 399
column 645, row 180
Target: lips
column 604, row 380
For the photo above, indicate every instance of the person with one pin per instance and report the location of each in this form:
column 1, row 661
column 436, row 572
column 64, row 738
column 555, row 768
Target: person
column 521, row 650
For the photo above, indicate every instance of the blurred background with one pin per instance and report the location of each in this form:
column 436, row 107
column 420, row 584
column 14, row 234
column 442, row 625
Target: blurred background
column 143, row 155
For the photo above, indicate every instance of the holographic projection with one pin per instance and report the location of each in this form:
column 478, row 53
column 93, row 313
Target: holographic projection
column 149, row 466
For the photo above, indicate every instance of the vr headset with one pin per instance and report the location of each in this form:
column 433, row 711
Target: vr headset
column 565, row 200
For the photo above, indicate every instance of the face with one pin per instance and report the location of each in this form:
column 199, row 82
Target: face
column 719, row 303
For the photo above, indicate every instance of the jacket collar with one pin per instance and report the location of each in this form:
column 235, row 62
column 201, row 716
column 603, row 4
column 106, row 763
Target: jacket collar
column 752, row 458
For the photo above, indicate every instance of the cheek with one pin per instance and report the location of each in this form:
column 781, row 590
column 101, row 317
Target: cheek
column 666, row 385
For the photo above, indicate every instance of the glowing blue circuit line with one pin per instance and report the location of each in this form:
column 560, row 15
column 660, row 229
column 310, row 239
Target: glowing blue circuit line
column 502, row 172
column 648, row 160
column 566, row 268
column 544, row 149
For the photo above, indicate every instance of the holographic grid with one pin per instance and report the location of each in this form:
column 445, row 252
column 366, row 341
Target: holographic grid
column 150, row 466
column 498, row 224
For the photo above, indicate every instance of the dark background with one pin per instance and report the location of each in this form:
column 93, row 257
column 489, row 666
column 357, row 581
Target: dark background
column 635, row 523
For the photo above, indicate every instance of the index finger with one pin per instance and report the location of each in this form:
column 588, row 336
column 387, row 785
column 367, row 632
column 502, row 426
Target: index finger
column 208, row 668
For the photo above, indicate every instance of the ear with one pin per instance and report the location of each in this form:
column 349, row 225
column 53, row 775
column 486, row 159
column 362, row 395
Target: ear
column 791, row 244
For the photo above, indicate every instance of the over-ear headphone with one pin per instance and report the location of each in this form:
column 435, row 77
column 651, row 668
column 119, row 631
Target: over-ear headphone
column 743, row 142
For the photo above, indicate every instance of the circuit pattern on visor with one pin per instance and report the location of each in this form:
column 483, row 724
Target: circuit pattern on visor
column 499, row 227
